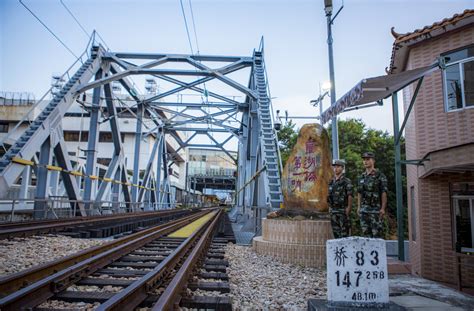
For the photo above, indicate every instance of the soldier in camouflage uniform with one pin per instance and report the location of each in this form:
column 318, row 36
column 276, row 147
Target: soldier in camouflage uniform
column 372, row 198
column 340, row 201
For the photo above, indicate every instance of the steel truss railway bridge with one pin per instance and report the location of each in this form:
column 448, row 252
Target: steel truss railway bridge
column 219, row 117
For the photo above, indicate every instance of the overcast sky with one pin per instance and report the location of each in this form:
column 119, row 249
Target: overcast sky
column 294, row 32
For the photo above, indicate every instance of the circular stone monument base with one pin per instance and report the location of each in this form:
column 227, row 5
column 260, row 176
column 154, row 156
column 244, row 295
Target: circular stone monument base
column 300, row 242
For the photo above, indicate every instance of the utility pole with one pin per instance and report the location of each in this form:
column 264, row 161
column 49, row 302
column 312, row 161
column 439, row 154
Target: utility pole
column 335, row 137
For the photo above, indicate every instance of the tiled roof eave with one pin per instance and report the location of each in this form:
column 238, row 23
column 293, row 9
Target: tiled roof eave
column 404, row 42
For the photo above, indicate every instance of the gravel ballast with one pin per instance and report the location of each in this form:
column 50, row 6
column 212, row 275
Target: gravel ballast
column 18, row 254
column 260, row 282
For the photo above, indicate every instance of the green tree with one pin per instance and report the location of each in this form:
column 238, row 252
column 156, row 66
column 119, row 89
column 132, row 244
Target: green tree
column 354, row 139
column 287, row 136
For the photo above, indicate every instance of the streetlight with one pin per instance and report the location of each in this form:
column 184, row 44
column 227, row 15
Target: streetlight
column 330, row 20
column 324, row 87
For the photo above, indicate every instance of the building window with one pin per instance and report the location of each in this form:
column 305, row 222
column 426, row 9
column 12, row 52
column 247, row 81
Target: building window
column 3, row 127
column 463, row 204
column 104, row 161
column 459, row 79
column 413, row 213
column 74, row 136
column 106, row 137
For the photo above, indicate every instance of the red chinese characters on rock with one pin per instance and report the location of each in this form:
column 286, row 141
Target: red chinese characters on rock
column 295, row 185
column 297, row 163
column 308, row 170
column 304, row 168
column 309, row 146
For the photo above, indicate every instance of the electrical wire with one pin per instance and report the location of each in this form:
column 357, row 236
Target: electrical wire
column 186, row 25
column 74, row 17
column 49, row 30
column 82, row 27
column 98, row 34
column 194, row 26
column 204, row 98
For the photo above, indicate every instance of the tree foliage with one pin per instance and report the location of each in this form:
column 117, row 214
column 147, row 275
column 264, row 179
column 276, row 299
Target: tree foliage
column 287, row 138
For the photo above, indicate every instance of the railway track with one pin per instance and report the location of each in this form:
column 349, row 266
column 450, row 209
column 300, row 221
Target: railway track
column 89, row 227
column 151, row 268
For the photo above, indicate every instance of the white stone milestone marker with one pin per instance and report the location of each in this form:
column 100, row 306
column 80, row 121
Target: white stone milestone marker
column 357, row 271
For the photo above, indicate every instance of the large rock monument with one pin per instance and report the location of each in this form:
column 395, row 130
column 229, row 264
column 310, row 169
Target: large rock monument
column 298, row 232
column 308, row 171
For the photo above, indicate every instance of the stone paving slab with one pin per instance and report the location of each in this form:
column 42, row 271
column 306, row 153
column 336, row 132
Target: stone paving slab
column 418, row 303
column 405, row 287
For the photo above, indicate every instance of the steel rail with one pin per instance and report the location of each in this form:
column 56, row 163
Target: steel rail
column 14, row 285
column 30, row 228
column 22, row 223
column 137, row 292
column 170, row 296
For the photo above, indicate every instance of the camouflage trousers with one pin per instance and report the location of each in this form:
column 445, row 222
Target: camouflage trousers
column 340, row 224
column 371, row 224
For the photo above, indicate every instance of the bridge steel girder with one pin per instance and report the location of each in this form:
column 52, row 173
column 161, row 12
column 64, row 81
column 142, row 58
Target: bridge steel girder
column 39, row 130
column 159, row 165
column 91, row 152
column 216, row 113
column 136, row 157
column 42, row 177
column 148, row 170
column 71, row 185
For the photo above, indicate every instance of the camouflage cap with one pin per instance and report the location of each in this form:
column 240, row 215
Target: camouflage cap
column 368, row 155
column 339, row 162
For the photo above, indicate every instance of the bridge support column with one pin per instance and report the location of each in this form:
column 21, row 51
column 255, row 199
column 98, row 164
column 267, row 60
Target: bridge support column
column 91, row 151
column 42, row 180
column 136, row 157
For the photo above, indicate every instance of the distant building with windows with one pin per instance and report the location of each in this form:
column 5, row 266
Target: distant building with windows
column 211, row 169
column 440, row 134
column 211, row 162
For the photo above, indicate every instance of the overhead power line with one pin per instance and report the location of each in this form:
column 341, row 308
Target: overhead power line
column 49, row 30
column 74, row 17
column 186, row 25
column 82, row 27
column 194, row 27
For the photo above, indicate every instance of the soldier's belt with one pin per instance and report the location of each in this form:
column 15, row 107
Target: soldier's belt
column 371, row 211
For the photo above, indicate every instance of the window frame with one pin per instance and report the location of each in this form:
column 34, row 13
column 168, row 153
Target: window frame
column 455, row 200
column 4, row 125
column 461, row 76
column 414, row 214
